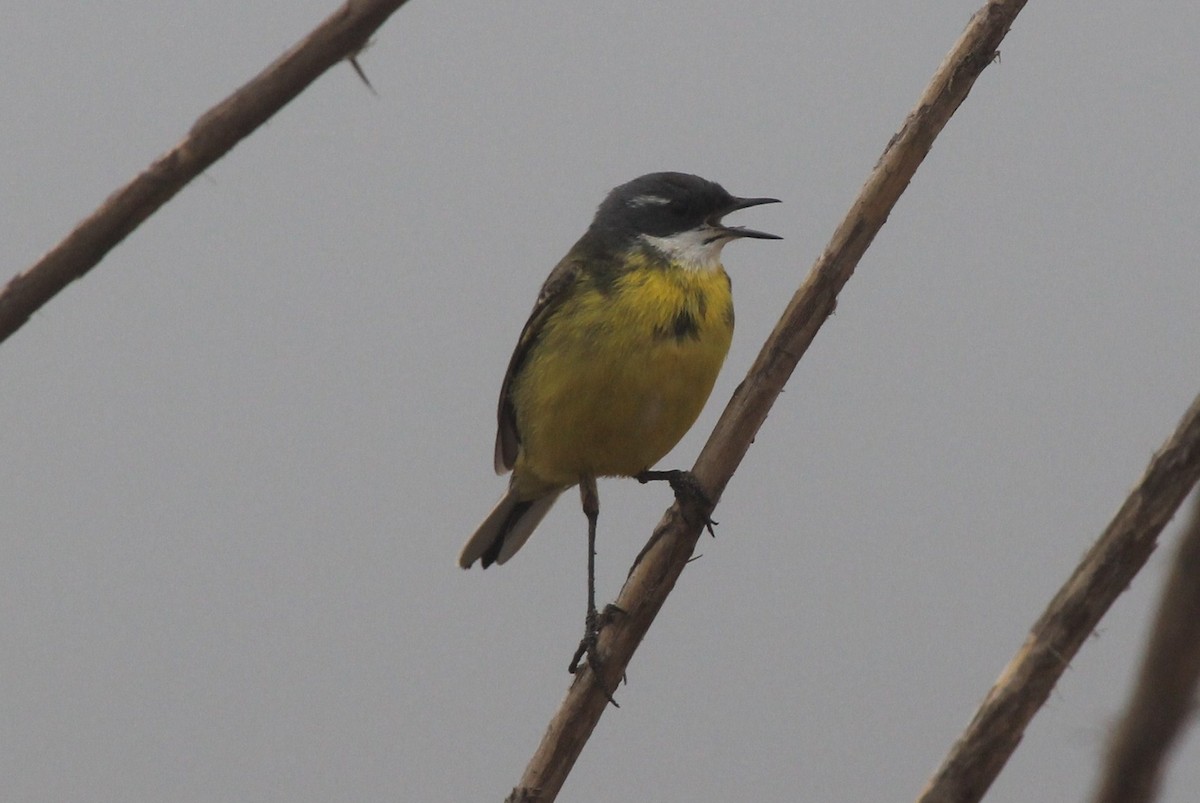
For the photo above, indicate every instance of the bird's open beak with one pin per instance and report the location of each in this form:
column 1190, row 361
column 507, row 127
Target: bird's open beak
column 739, row 231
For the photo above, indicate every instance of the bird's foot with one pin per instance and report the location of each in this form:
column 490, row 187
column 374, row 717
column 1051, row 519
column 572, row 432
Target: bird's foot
column 589, row 646
column 686, row 488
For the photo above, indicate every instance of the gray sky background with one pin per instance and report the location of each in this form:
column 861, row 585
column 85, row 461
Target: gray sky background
column 241, row 456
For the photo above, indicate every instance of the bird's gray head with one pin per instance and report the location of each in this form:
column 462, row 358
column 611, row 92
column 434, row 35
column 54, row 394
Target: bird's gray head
column 676, row 215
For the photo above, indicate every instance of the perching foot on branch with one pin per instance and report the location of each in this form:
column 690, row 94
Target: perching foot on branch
column 589, row 645
column 687, row 488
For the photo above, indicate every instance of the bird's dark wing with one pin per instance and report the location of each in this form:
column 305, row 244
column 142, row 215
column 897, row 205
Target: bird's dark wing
column 554, row 291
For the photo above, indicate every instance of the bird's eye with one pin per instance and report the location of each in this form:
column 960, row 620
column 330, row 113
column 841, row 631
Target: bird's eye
column 680, row 208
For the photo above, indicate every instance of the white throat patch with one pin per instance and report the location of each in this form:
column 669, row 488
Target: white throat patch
column 696, row 249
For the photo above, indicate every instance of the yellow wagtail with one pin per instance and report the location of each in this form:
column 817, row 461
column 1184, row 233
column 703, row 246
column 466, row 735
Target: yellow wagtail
column 616, row 360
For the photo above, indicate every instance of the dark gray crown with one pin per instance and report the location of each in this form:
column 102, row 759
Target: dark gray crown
column 661, row 204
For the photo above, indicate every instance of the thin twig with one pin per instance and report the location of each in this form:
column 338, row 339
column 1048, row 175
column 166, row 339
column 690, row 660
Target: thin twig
column 1165, row 696
column 1107, row 569
column 343, row 34
column 673, row 541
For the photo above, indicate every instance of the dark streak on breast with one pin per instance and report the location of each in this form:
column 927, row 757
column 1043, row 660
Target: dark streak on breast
column 682, row 326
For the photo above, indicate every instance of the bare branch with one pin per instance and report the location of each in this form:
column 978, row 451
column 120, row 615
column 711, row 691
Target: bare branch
column 1165, row 696
column 1107, row 569
column 662, row 560
column 343, row 34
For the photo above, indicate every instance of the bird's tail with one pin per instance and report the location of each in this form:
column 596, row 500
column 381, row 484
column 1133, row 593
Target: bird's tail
column 506, row 529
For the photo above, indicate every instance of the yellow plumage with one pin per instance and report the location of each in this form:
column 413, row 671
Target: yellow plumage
column 620, row 373
column 619, row 354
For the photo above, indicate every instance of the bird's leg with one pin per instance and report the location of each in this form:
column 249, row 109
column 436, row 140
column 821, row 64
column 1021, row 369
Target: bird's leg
column 589, row 645
column 687, row 489
column 591, row 509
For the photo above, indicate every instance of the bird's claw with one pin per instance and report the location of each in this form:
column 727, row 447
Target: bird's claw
column 589, row 646
column 686, row 487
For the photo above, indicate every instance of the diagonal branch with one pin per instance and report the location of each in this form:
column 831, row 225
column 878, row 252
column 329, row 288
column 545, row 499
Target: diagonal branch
column 1107, row 569
column 340, row 36
column 1165, row 697
column 661, row 562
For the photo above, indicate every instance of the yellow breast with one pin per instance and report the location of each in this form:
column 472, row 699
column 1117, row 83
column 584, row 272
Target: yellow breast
column 620, row 373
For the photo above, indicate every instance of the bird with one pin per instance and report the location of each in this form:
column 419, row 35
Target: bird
column 616, row 360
